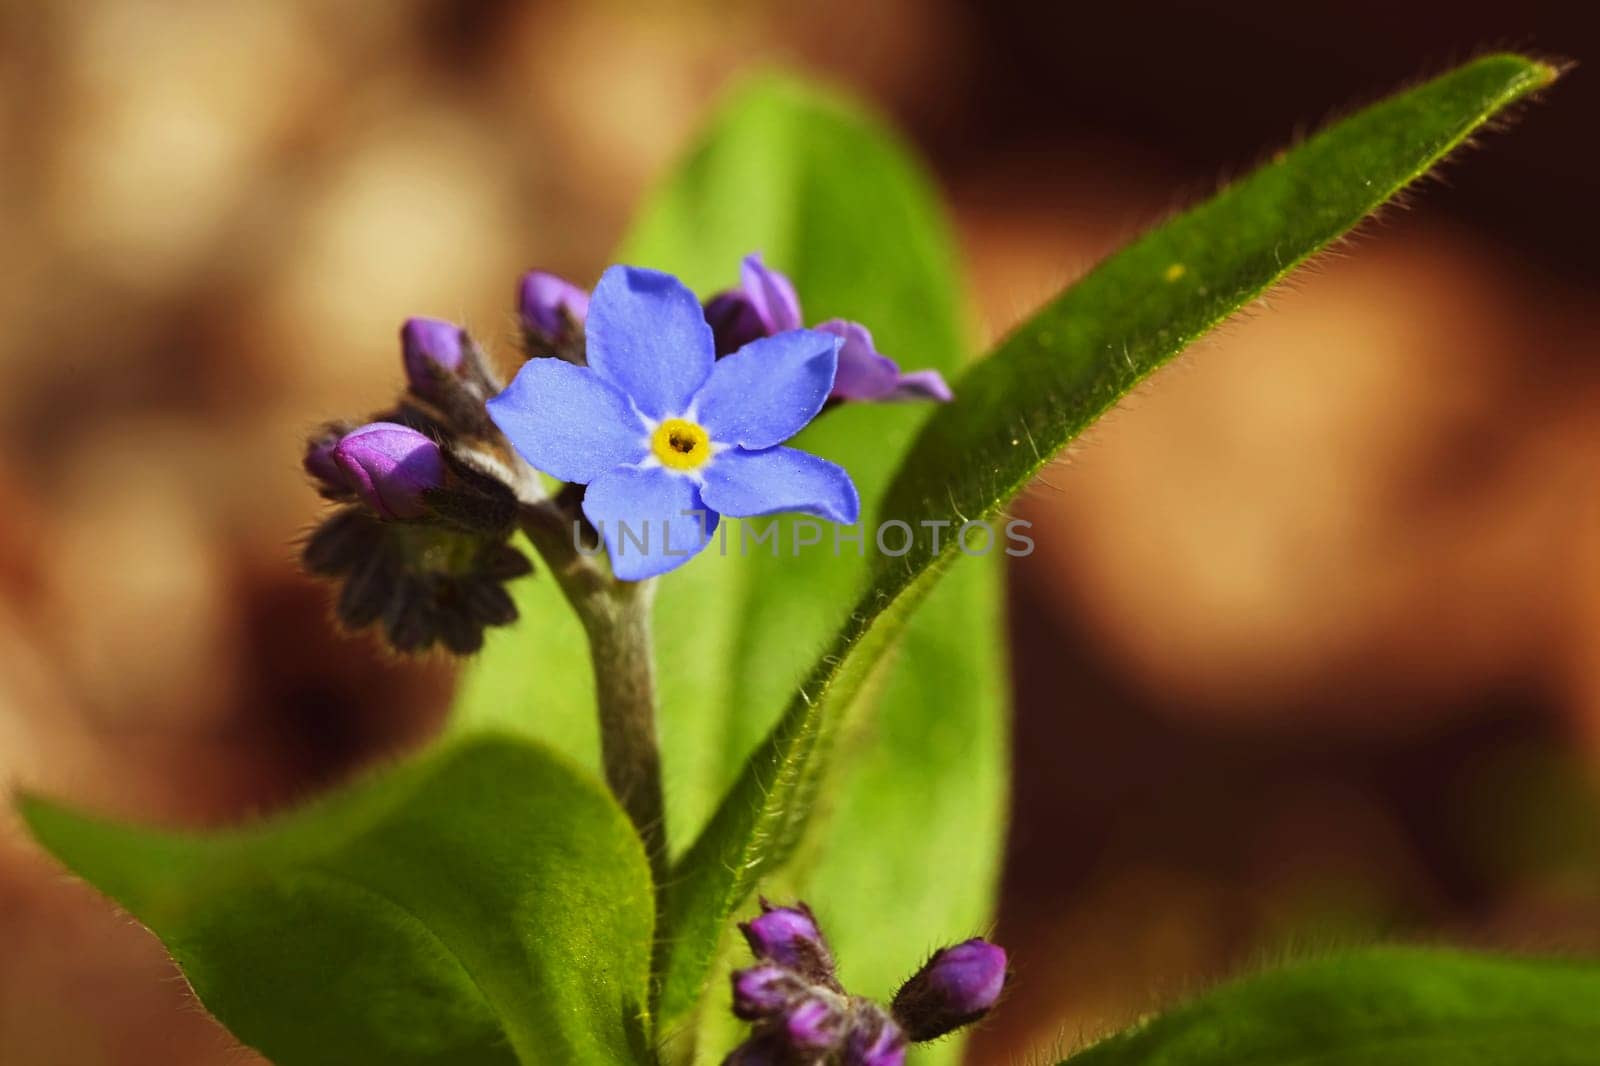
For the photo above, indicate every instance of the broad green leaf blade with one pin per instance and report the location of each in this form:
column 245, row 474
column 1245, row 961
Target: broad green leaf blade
column 1049, row 380
column 485, row 904
column 1385, row 1007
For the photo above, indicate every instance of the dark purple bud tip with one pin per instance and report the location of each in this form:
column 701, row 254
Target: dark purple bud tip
column 789, row 937
column 431, row 346
column 550, row 306
column 763, row 991
column 321, row 465
column 438, row 355
column 390, row 467
column 733, row 321
column 958, row 986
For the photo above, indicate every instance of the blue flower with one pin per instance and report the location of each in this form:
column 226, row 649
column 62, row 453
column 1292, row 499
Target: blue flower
column 668, row 437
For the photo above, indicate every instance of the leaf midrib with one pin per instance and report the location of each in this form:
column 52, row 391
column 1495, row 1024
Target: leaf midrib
column 318, row 872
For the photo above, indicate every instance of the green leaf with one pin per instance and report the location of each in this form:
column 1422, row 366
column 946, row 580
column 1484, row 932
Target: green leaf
column 1385, row 1007
column 1085, row 350
column 833, row 200
column 1044, row 385
column 487, row 903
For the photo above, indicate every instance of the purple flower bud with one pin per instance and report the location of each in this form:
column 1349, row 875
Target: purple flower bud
column 390, row 467
column 874, row 1041
column 764, row 303
column 762, row 991
column 789, row 937
column 551, row 306
column 445, row 368
column 431, row 346
column 771, row 294
column 814, row 1024
column 958, row 986
column 320, row 464
column 866, row 374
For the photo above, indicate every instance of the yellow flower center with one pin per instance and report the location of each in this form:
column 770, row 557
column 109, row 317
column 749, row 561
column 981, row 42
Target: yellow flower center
column 680, row 445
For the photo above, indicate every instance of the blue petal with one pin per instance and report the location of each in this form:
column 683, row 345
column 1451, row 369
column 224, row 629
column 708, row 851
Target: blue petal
column 647, row 519
column 648, row 336
column 745, row 483
column 566, row 421
column 767, row 391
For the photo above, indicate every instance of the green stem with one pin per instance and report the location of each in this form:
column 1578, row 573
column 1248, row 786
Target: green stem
column 616, row 617
column 624, row 675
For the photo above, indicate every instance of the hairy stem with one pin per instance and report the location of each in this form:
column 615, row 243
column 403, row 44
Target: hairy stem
column 624, row 677
column 616, row 618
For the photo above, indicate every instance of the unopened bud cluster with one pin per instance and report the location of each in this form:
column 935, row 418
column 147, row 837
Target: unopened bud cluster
column 801, row 1016
column 420, row 545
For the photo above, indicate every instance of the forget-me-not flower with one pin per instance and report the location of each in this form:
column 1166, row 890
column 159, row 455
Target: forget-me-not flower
column 668, row 437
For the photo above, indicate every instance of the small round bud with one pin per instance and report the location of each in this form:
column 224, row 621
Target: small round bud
column 445, row 368
column 390, row 467
column 789, row 937
column 762, row 991
column 447, row 371
column 551, row 308
column 958, row 986
column 431, row 346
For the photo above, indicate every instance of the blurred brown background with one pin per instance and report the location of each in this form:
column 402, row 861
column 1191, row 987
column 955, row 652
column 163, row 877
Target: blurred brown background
column 1310, row 651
